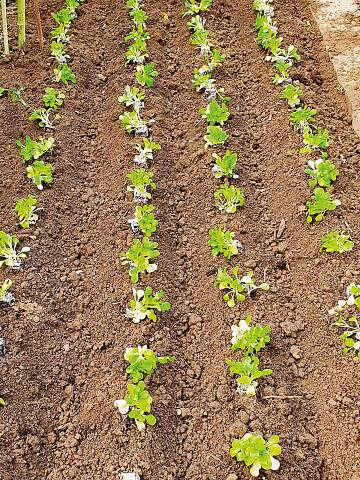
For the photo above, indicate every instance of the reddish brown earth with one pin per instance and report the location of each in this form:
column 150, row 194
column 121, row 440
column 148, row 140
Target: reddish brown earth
column 65, row 338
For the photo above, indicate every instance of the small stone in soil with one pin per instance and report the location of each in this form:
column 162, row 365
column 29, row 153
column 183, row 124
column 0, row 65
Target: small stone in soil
column 2, row 347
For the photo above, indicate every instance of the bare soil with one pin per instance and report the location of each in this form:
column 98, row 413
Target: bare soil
column 65, row 338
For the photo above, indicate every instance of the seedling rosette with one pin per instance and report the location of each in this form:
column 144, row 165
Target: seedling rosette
column 214, row 113
column 8, row 254
column 6, row 297
column 228, row 198
column 237, row 287
column 137, row 405
column 143, row 361
column 27, row 211
column 322, row 172
column 336, row 241
column 321, row 203
column 34, row 149
column 141, row 180
column 40, row 173
column 144, row 221
column 53, row 98
column 145, row 151
column 225, row 166
column 145, row 305
column 223, row 242
column 215, row 136
column 249, row 338
column 139, row 257
column 133, row 97
column 248, row 373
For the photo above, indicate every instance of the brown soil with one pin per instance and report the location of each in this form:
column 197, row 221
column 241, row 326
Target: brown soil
column 64, row 364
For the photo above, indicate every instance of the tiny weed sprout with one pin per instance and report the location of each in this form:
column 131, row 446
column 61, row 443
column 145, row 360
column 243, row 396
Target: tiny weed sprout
column 141, row 180
column 256, row 452
column 145, row 74
column 53, row 98
column 8, row 254
column 15, row 95
column 322, row 172
column 222, row 241
column 292, row 94
column 351, row 336
column 249, row 338
column 237, row 287
column 302, row 118
column 315, row 141
column 137, row 52
column 228, row 198
column 225, row 166
column 194, row 7
column 40, row 173
column 34, row 149
column 321, row 204
column 145, row 151
column 215, row 135
column 139, row 257
column 26, row 211
column 137, row 405
column 143, row 361
column 145, row 305
column 144, row 221
column 64, row 74
column 6, row 297
column 214, row 113
column 132, row 123
column 42, row 116
column 336, row 241
column 248, row 373
column 133, row 97
column 58, row 52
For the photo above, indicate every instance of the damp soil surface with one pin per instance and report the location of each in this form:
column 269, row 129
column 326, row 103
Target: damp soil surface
column 65, row 337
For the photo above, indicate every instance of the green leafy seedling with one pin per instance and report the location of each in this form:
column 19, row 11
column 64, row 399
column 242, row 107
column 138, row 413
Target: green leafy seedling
column 228, row 198
column 53, row 98
column 237, row 287
column 145, row 305
column 144, row 221
column 64, row 74
column 58, row 52
column 146, row 74
column 248, row 373
column 214, row 113
column 40, row 173
column 8, row 255
column 43, row 117
column 249, row 338
column 137, row 405
column 292, row 94
column 193, row 7
column 34, row 149
column 336, row 241
column 322, row 172
column 137, row 52
column 351, row 336
column 145, row 151
column 15, row 95
column 26, row 210
column 132, row 123
column 315, row 141
column 225, row 166
column 321, row 203
column 133, row 97
column 139, row 257
column 302, row 118
column 6, row 297
column 60, row 34
column 215, row 135
column 143, row 361
column 222, row 242
column 141, row 180
column 256, row 452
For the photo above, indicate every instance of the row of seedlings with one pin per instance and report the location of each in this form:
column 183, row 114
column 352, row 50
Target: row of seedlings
column 320, row 168
column 143, row 251
column 252, row 448
column 32, row 151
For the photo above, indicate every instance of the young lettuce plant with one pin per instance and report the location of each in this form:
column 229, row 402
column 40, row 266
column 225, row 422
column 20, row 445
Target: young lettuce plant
column 225, row 166
column 237, row 287
column 15, row 95
column 222, row 241
column 34, row 149
column 315, row 141
column 132, row 123
column 292, row 94
column 64, row 74
column 353, row 299
column 40, row 173
column 6, row 297
column 53, row 98
column 321, row 204
column 133, row 97
column 60, row 34
column 43, row 117
column 146, row 74
column 136, row 405
column 249, row 338
column 351, row 336
column 336, row 241
column 248, row 374
column 302, row 119
column 145, row 151
column 27, row 211
column 143, row 361
column 139, row 257
column 144, row 221
column 214, row 59
column 215, row 135
column 214, row 113
column 200, row 38
column 145, row 304
column 256, row 452
column 137, row 52
column 228, row 198
column 58, row 52
column 141, row 180
column 194, row 7
column 322, row 172
column 8, row 254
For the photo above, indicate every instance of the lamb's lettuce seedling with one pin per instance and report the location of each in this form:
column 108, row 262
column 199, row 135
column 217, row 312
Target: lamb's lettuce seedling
column 139, row 257
column 141, row 180
column 322, row 172
column 214, row 113
column 292, row 94
column 26, row 210
column 40, row 173
column 315, row 141
column 237, row 286
column 302, row 118
column 257, row 453
column 225, row 166
column 321, row 203
column 133, row 97
column 228, row 198
column 223, row 242
column 6, row 297
column 8, row 254
column 145, row 304
column 215, row 135
column 137, row 405
column 353, row 299
column 249, row 338
column 58, row 52
column 143, row 361
column 43, row 117
column 34, row 149
column 64, row 74
column 336, row 241
column 145, row 151
column 53, row 98
column 248, row 374
column 351, row 336
column 193, row 7
column 144, row 221
column 146, row 74
column 137, row 52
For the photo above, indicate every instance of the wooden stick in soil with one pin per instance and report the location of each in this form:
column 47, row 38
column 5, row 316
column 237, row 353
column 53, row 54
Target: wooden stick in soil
column 39, row 31
column 21, row 22
column 4, row 27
